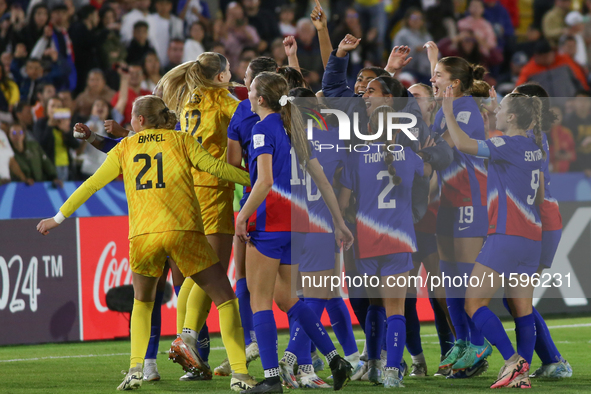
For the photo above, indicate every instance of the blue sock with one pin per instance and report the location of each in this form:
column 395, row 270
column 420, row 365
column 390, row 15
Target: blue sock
column 302, row 313
column 245, row 311
column 177, row 289
column 340, row 320
column 446, row 337
column 525, row 331
column 374, row 331
column 396, row 338
column 459, row 318
column 413, row 327
column 156, row 326
column 266, row 333
column 545, row 347
column 299, row 343
column 203, row 341
column 317, row 305
column 491, row 327
column 476, row 337
column 360, row 306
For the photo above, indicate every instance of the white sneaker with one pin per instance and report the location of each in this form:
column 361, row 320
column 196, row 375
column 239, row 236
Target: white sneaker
column 252, row 352
column 375, row 372
column 223, row 369
column 189, row 377
column 561, row 369
column 151, row 372
column 359, row 371
column 312, row 381
column 317, row 362
column 241, row 382
column 392, row 378
column 133, row 379
column 287, row 375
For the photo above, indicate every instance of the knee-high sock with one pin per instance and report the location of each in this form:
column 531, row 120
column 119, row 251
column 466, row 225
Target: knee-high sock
column 311, row 324
column 396, row 338
column 340, row 320
column 444, row 333
column 317, row 305
column 476, row 337
column 413, row 327
column 198, row 306
column 492, row 328
column 204, row 345
column 266, row 333
column 374, row 331
column 232, row 335
column 140, row 330
column 181, row 303
column 156, row 326
column 456, row 298
column 545, row 347
column 299, row 343
column 245, row 310
column 360, row 306
column 525, row 331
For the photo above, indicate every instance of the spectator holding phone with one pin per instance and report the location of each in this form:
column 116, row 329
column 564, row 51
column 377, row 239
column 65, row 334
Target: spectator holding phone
column 33, row 162
column 55, row 136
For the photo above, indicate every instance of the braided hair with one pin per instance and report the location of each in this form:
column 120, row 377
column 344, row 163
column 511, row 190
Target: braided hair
column 528, row 112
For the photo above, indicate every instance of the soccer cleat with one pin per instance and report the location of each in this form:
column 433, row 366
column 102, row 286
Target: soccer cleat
column 317, row 362
column 312, row 381
column 454, row 354
column 272, row 385
column 189, row 377
column 403, row 367
column 521, row 382
column 476, row 370
column 511, row 372
column 133, row 379
column 561, row 369
column 151, row 372
column 392, row 378
column 418, row 369
column 363, row 355
column 359, row 371
column 473, row 355
column 287, row 375
column 183, row 353
column 241, row 382
column 252, row 352
column 341, row 372
column 223, row 369
column 443, row 371
column 375, row 371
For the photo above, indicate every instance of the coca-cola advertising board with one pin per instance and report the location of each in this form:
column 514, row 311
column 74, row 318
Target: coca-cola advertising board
column 38, row 283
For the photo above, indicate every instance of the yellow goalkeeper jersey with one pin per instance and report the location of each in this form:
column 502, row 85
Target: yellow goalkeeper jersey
column 158, row 181
column 206, row 117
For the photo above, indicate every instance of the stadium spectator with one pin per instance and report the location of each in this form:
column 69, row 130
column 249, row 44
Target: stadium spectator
column 139, row 46
column 499, row 18
column 264, row 21
column 164, row 27
column 414, row 34
column 174, row 54
column 45, row 92
column 8, row 163
column 151, row 67
column 9, row 93
column 373, row 19
column 481, row 28
column 68, row 102
column 557, row 73
column 507, row 81
column 575, row 22
column 29, row 77
column 466, row 45
column 23, row 116
column 194, row 44
column 33, row 162
column 113, row 50
column 553, row 24
column 278, row 52
column 309, row 53
column 512, row 8
column 192, row 11
column 33, row 31
column 91, row 157
column 235, row 34
column 139, row 13
column 96, row 88
column 54, row 134
column 129, row 90
column 87, row 40
column 579, row 123
column 286, row 20
column 350, row 24
column 562, row 144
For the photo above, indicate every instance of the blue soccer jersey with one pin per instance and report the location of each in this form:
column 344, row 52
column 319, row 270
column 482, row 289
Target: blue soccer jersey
column 384, row 211
column 463, row 182
column 513, row 181
column 240, row 129
column 269, row 136
column 549, row 211
column 329, row 151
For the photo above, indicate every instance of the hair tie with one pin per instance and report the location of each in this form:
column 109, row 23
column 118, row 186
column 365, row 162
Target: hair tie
column 165, row 110
column 284, row 99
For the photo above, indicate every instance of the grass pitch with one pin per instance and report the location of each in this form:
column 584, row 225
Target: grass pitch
column 96, row 367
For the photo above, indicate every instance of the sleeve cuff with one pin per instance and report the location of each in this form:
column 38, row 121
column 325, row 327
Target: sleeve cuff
column 59, row 217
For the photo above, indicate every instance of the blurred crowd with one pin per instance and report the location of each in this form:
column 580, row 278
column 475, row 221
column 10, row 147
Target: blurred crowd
column 68, row 61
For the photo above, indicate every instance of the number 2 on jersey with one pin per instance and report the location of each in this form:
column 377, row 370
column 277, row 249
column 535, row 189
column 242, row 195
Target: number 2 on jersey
column 147, row 164
column 382, row 204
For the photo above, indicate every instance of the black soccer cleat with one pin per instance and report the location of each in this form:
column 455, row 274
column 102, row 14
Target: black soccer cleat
column 341, row 372
column 269, row 385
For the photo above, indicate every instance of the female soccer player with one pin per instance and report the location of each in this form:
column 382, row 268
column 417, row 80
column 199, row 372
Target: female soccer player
column 198, row 92
column 514, row 187
column 265, row 221
column 382, row 180
column 164, row 220
column 462, row 217
column 553, row 364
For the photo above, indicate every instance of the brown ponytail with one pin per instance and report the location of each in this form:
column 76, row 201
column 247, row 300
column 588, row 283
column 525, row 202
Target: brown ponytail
column 528, row 112
column 460, row 69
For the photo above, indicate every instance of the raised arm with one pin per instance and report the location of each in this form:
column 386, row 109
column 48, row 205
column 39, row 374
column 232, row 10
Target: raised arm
column 104, row 144
column 398, row 60
column 458, row 137
column 318, row 17
column 291, row 51
column 334, row 80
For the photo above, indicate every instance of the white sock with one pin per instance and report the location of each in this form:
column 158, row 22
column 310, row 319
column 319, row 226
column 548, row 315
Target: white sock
column 306, row 369
column 194, row 334
column 289, row 358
